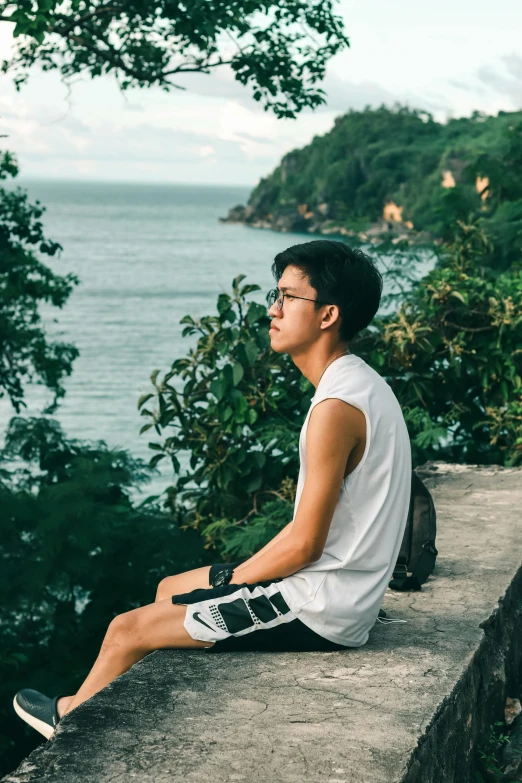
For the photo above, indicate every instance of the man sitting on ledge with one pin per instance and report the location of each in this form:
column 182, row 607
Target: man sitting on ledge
column 320, row 582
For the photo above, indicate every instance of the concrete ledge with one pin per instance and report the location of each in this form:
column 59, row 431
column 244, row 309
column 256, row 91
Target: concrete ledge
column 408, row 707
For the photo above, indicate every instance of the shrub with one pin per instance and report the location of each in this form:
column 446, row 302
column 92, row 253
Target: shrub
column 450, row 351
column 238, row 415
column 25, row 282
column 75, row 552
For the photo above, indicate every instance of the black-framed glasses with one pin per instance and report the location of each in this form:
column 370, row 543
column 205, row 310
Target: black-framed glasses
column 275, row 295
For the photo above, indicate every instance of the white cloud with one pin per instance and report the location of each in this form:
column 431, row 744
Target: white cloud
column 214, row 131
column 206, row 151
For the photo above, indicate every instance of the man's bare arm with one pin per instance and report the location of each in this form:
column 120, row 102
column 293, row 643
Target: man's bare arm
column 282, row 533
column 280, row 557
column 335, row 428
column 333, row 431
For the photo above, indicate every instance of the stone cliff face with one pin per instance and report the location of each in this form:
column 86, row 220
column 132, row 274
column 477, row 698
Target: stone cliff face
column 274, row 203
column 302, row 218
column 319, row 217
column 383, row 175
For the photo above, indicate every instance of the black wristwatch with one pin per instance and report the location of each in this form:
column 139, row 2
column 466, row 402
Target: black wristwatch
column 223, row 577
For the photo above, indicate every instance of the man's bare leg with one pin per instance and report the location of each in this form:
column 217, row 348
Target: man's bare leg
column 130, row 637
column 171, row 585
column 63, row 703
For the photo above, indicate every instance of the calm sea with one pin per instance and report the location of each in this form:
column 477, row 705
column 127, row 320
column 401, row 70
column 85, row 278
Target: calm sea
column 146, row 255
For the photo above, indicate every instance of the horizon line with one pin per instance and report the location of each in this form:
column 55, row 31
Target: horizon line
column 89, row 180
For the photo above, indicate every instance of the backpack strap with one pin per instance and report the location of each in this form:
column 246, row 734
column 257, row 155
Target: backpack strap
column 419, row 572
column 400, row 572
column 421, row 508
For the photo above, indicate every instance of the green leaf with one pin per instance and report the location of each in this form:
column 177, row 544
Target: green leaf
column 255, row 312
column 255, row 483
column 167, row 416
column 144, row 398
column 259, row 458
column 236, row 281
column 217, row 388
column 239, row 401
column 155, row 459
column 251, row 351
column 463, row 297
column 246, row 289
column 232, row 374
column 223, row 303
column 226, row 376
column 230, row 315
column 237, row 373
column 154, row 374
column 145, row 428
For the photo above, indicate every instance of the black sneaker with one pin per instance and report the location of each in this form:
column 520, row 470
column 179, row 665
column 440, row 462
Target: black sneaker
column 38, row 710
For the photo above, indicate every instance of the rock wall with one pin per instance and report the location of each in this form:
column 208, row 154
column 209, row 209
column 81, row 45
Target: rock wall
column 411, row 706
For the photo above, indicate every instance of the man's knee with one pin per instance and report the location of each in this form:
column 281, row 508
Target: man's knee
column 173, row 585
column 185, row 582
column 121, row 630
column 164, row 589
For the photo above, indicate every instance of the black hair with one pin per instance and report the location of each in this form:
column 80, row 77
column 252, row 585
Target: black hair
column 341, row 275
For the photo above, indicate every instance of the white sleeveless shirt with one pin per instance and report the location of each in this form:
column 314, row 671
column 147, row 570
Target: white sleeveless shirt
column 340, row 594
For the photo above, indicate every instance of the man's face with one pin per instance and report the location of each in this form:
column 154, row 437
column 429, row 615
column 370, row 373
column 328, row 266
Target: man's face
column 296, row 326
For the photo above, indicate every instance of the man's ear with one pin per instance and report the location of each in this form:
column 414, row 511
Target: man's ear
column 330, row 316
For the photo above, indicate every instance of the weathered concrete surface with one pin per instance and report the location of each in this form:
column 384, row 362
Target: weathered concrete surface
column 409, row 706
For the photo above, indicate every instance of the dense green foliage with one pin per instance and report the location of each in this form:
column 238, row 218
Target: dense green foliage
column 400, row 155
column 25, row 282
column 238, row 416
column 74, row 549
column 451, row 352
column 75, row 553
column 279, row 49
column 490, row 764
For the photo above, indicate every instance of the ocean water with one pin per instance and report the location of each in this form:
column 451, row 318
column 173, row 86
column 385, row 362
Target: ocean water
column 146, row 255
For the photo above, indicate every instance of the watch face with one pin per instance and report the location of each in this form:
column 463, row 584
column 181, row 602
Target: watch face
column 223, row 577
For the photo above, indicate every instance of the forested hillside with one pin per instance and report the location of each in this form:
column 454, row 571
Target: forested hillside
column 397, row 170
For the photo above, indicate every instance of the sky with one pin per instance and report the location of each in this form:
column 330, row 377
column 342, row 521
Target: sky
column 450, row 58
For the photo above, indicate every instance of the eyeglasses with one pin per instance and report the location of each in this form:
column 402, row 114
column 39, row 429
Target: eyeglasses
column 275, row 295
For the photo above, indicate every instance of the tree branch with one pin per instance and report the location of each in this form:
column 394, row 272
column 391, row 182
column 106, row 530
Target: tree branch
column 112, row 56
column 201, row 68
column 79, row 20
column 468, row 328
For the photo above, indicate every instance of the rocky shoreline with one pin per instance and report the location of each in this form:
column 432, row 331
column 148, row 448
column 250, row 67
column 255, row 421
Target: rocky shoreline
column 302, row 220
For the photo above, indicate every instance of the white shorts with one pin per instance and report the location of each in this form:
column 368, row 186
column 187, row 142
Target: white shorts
column 248, row 617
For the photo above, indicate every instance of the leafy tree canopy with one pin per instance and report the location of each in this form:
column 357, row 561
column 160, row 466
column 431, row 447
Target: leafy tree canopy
column 25, row 282
column 75, row 552
column 280, row 49
column 451, row 353
column 432, row 172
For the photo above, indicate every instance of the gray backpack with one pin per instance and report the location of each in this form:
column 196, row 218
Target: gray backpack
column 418, row 552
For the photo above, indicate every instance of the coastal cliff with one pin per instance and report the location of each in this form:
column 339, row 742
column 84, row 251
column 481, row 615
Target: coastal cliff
column 379, row 174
